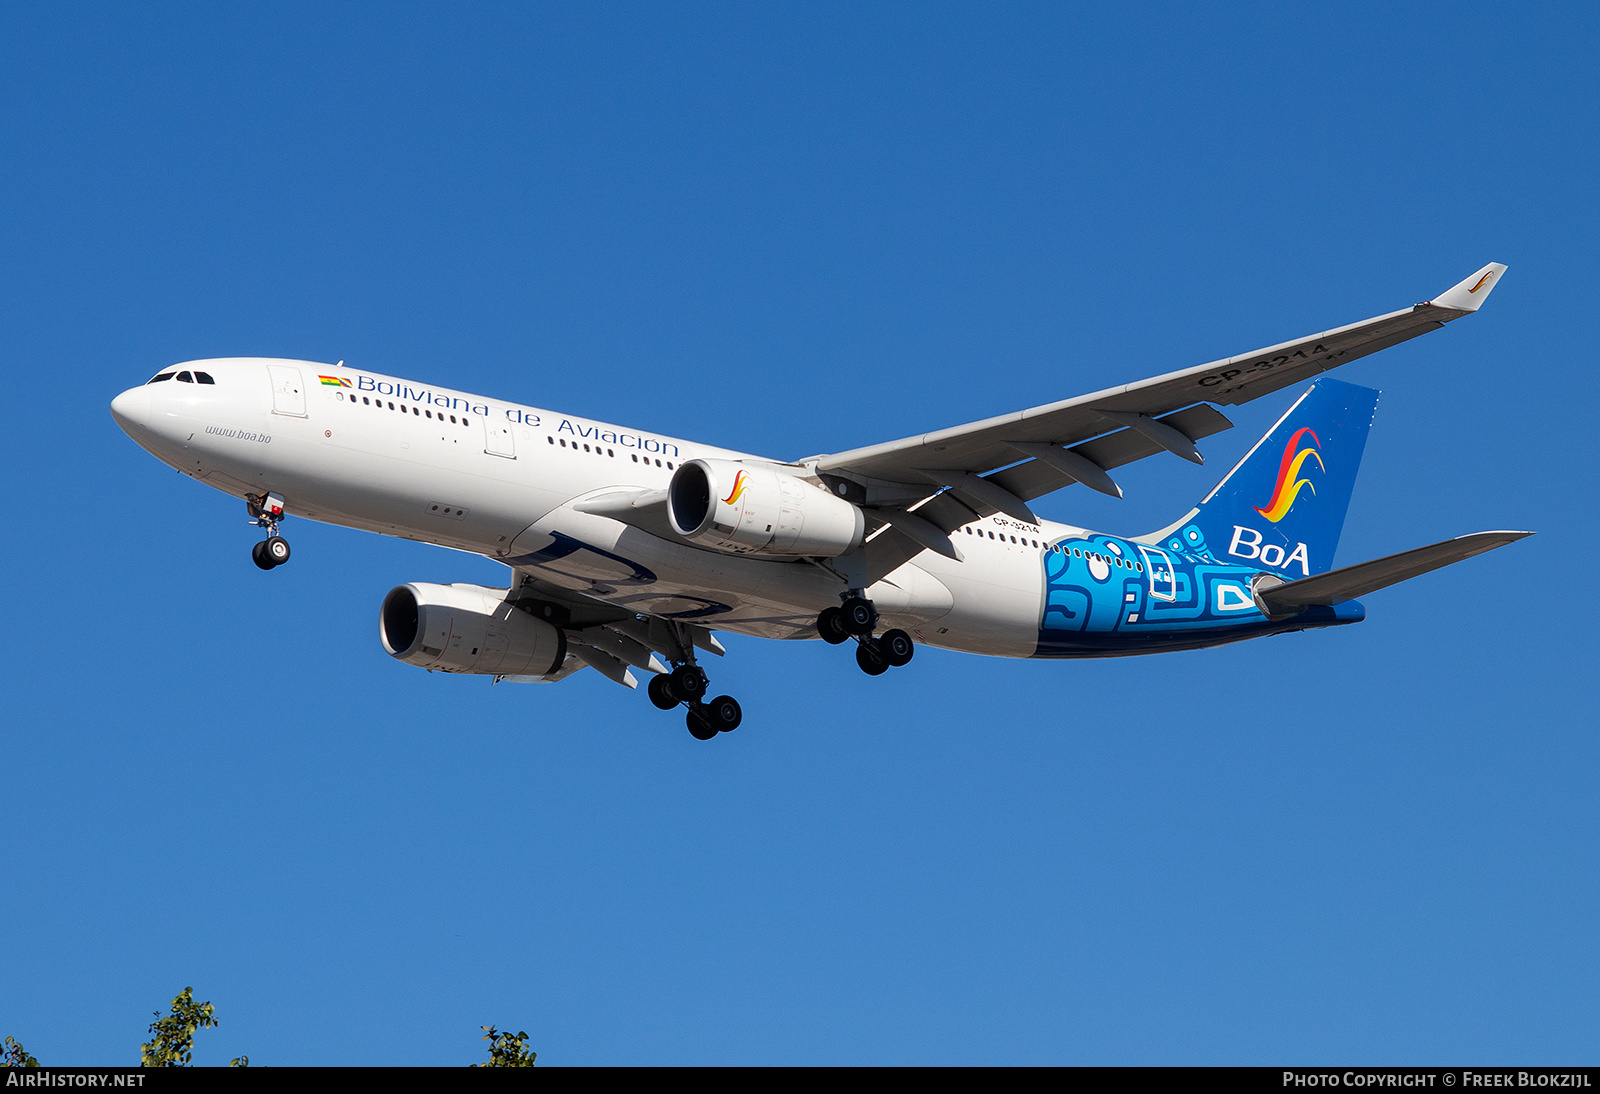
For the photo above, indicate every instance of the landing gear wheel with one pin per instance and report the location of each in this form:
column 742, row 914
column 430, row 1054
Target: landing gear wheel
column 870, row 659
column 700, row 727
column 689, row 683
column 896, row 647
column 660, row 692
column 259, row 554
column 859, row 616
column 277, row 549
column 830, row 625
column 724, row 713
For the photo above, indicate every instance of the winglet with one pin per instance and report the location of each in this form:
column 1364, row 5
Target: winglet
column 1471, row 293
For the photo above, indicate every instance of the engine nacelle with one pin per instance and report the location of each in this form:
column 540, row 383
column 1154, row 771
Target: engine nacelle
column 467, row 628
column 757, row 509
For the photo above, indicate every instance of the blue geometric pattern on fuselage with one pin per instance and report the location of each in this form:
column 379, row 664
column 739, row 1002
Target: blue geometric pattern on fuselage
column 1190, row 540
column 1106, row 596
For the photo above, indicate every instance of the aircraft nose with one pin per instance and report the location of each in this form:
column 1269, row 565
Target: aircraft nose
column 131, row 409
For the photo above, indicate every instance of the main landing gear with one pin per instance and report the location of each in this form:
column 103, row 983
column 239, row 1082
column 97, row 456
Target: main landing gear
column 266, row 512
column 857, row 618
column 687, row 684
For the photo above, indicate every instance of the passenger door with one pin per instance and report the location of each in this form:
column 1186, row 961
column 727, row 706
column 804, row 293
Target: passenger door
column 288, row 393
column 1158, row 565
column 498, row 440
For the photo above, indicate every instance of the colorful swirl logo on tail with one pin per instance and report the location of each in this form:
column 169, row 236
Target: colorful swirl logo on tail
column 1283, row 493
column 738, row 489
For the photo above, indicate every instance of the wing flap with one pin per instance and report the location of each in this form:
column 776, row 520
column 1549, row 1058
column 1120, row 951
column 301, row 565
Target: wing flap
column 1037, row 478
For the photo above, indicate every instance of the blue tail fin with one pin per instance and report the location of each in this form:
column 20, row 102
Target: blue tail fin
column 1282, row 508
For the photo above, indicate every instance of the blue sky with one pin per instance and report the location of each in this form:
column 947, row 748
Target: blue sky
column 794, row 229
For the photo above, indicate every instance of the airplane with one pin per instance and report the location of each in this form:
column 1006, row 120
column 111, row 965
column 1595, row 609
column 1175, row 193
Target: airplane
column 628, row 550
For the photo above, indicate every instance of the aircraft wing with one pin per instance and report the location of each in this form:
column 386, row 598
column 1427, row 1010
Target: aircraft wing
column 1001, row 463
column 613, row 641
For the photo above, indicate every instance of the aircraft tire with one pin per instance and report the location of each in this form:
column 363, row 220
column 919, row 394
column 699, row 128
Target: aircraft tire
column 859, row 616
column 870, row 659
column 259, row 555
column 689, row 683
column 277, row 549
column 660, row 691
column 897, row 647
column 723, row 712
column 700, row 727
column 830, row 625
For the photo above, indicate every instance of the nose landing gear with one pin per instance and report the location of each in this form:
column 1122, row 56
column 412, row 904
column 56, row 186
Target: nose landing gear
column 266, row 512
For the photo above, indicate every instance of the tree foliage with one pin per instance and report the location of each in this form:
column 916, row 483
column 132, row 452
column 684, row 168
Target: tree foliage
column 506, row 1050
column 16, row 1055
column 172, row 1040
column 172, row 1037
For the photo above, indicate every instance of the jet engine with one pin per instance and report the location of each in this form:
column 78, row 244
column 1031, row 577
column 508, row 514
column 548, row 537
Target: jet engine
column 758, row 509
column 467, row 628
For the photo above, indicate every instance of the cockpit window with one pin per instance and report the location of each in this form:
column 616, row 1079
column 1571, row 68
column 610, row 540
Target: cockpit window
column 156, row 379
column 185, row 378
column 204, row 378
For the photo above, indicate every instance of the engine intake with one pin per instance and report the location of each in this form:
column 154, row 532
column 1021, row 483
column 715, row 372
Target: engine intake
column 758, row 509
column 467, row 628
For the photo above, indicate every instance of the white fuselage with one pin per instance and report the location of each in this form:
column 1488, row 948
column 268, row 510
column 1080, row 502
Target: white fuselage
column 499, row 479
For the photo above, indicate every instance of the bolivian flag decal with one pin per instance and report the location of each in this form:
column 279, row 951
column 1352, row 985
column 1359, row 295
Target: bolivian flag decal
column 335, row 381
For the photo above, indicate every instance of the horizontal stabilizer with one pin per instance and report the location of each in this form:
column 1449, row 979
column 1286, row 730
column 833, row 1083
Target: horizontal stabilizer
column 1349, row 582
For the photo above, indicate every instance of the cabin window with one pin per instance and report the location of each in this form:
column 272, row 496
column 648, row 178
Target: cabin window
column 427, row 413
column 185, row 378
column 391, row 406
column 204, row 378
column 414, row 410
column 610, row 453
column 669, row 465
column 636, row 457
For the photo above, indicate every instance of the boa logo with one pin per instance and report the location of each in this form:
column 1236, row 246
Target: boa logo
column 1283, row 493
column 739, row 483
column 1270, row 555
